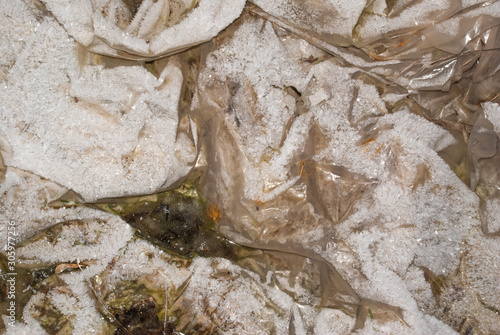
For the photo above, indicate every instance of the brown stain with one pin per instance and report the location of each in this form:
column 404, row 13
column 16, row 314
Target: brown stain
column 422, row 175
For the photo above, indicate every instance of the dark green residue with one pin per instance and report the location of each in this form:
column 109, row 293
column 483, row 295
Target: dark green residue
column 437, row 282
column 491, row 308
column 133, row 308
column 371, row 314
column 27, row 281
column 173, row 220
column 178, row 224
column 52, row 320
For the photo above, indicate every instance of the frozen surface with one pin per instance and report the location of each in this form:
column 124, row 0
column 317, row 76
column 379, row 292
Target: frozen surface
column 86, row 235
column 360, row 22
column 408, row 15
column 332, row 19
column 153, row 29
column 24, row 198
column 492, row 114
column 482, row 271
column 101, row 132
column 413, row 211
column 18, row 24
column 256, row 66
column 492, row 215
column 78, row 240
column 328, row 165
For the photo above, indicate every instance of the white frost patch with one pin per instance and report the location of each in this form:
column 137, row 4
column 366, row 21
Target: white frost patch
column 24, row 198
column 492, row 114
column 155, row 29
column 324, row 17
column 482, row 269
column 334, row 322
column 491, row 215
column 373, row 327
column 142, row 258
column 78, row 241
column 101, row 132
column 31, row 326
column 17, row 24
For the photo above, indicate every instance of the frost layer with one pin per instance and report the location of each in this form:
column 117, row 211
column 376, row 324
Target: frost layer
column 308, row 156
column 100, row 132
column 144, row 29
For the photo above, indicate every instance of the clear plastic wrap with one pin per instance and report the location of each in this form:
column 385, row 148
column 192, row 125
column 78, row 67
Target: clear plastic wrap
column 483, row 165
column 317, row 202
column 324, row 166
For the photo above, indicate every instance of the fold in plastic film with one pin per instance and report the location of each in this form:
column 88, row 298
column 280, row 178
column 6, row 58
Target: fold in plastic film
column 144, row 30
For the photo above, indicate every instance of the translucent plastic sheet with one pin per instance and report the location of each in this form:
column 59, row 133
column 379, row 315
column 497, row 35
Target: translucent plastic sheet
column 453, row 50
column 483, row 165
column 173, row 221
column 143, row 29
column 414, row 58
column 329, row 166
column 294, row 210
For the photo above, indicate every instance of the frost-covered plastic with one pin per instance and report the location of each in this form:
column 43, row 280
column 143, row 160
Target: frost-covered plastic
column 484, row 165
column 143, row 29
column 354, row 159
column 328, row 166
column 91, row 126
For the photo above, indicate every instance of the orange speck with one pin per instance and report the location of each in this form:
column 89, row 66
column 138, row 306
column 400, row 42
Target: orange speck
column 377, row 147
column 377, row 57
column 301, row 168
column 259, row 202
column 214, row 213
column 402, row 43
column 251, row 10
column 368, row 141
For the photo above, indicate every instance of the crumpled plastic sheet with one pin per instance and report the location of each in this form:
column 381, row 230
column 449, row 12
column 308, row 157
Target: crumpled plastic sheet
column 408, row 64
column 442, row 64
column 484, row 163
column 416, row 56
column 454, row 50
column 144, row 29
column 431, row 85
